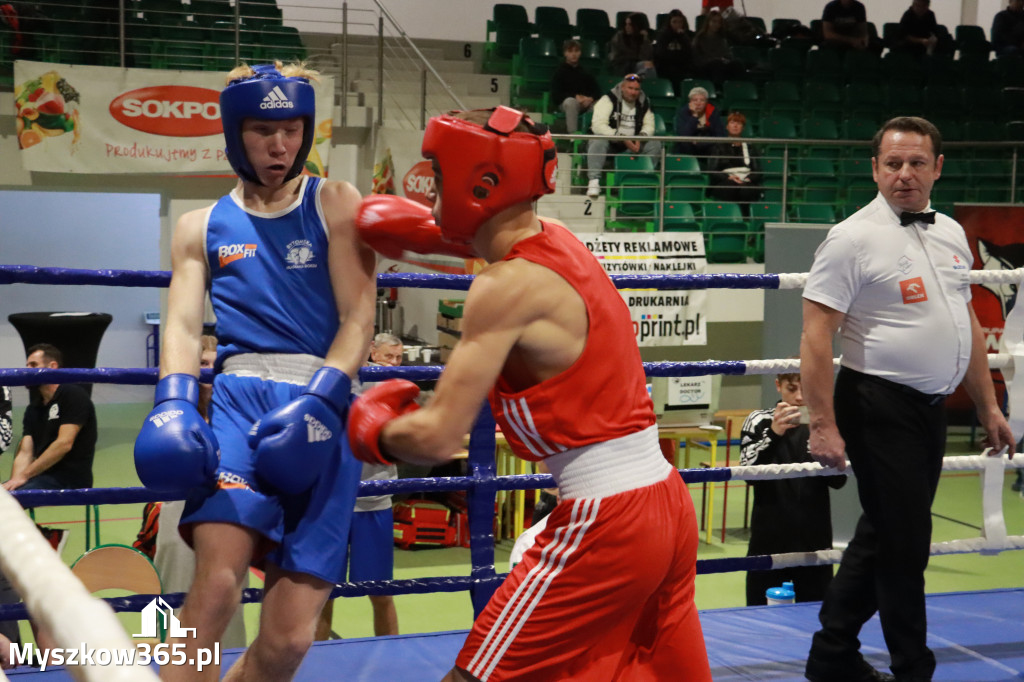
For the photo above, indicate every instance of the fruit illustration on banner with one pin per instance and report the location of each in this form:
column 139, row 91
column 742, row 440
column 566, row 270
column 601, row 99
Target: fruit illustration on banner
column 46, row 107
column 314, row 163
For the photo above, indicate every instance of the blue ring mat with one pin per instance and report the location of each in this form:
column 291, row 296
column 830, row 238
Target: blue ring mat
column 976, row 637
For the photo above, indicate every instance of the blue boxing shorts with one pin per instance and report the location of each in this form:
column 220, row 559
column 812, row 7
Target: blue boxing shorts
column 372, row 546
column 306, row 533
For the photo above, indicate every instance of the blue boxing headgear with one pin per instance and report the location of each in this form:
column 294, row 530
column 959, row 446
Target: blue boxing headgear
column 269, row 96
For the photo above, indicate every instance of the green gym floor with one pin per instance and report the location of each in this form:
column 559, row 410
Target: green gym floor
column 957, row 512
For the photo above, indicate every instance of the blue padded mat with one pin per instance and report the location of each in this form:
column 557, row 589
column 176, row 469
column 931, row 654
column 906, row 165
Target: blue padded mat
column 976, row 637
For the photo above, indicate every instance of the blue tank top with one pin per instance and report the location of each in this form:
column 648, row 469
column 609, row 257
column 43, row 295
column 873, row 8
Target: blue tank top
column 270, row 282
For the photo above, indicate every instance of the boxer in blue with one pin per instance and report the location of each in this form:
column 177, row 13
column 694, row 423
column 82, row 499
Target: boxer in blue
column 293, row 290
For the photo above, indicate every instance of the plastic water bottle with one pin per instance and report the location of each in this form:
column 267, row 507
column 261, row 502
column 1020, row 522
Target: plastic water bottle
column 781, row 595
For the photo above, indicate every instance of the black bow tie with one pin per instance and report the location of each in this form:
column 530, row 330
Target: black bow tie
column 908, row 217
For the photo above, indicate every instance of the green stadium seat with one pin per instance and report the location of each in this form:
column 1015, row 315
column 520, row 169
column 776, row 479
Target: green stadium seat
column 741, row 96
column 824, row 65
column 260, row 15
column 863, row 99
column 778, row 126
column 553, row 22
column 862, row 66
column 971, row 38
column 901, row 100
column 593, row 24
column 859, row 128
column 786, row 63
column 1010, row 71
column 814, row 213
column 782, row 97
column 683, row 170
column 725, row 233
column 633, row 165
column 637, row 196
column 824, row 99
column 208, row 12
column 679, row 217
column 860, row 192
column 950, row 128
column 1014, row 130
column 940, row 100
column 903, row 67
column 282, row 42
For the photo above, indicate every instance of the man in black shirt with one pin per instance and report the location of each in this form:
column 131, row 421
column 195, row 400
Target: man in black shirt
column 573, row 90
column 918, row 28
column 789, row 514
column 844, row 25
column 1008, row 29
column 58, row 434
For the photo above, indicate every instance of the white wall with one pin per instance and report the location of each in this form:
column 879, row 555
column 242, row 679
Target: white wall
column 90, row 231
column 466, row 20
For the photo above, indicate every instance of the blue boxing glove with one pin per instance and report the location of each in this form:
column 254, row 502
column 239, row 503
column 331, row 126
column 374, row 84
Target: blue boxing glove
column 294, row 442
column 176, row 449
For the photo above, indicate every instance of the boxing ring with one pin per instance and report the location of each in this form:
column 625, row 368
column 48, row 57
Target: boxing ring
column 976, row 635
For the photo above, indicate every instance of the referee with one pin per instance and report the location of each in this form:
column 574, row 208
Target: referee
column 895, row 278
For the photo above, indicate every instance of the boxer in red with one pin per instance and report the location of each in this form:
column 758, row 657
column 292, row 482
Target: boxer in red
column 607, row 591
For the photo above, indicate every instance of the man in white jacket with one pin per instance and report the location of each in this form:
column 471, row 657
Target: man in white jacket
column 624, row 111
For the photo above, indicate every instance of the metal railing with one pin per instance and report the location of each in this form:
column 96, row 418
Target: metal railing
column 820, row 181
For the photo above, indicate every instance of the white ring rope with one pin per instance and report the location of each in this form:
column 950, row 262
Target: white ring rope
column 993, row 534
column 825, row 557
column 797, row 280
column 58, row 601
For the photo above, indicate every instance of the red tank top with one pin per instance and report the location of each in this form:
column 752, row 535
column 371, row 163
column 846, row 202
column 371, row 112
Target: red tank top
column 603, row 395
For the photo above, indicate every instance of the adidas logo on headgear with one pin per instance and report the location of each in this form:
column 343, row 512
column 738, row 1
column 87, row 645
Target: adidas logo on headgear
column 276, row 99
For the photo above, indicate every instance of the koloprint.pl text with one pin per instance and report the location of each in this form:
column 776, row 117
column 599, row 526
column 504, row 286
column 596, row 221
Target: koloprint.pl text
column 666, row 327
column 143, row 654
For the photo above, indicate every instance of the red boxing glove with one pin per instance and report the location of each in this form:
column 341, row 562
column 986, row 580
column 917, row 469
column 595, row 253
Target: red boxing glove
column 372, row 410
column 390, row 225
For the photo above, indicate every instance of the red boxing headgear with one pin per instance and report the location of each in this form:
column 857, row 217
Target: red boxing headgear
column 485, row 169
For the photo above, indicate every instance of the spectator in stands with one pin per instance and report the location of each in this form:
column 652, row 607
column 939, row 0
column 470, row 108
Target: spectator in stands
column 626, row 112
column 631, row 49
column 573, row 89
column 1008, row 29
column 707, row 6
column 844, row 25
column 712, row 53
column 698, row 118
column 673, row 51
column 735, row 170
column 918, row 28
column 59, row 433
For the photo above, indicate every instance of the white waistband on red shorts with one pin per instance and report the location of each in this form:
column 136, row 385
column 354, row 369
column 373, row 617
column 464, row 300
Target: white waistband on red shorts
column 287, row 368
column 610, row 467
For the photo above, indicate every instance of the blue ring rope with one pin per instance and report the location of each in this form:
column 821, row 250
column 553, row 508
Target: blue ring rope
column 31, row 274
column 28, row 376
column 137, row 602
column 482, row 484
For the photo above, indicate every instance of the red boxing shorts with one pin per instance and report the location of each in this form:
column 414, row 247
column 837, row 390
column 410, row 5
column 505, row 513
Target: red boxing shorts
column 606, row 593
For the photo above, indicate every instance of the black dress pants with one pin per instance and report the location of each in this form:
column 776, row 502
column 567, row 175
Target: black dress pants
column 895, row 439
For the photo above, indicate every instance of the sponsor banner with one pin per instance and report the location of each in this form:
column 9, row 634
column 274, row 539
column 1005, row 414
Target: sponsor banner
column 400, row 169
column 660, row 318
column 98, row 119
column 996, row 237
